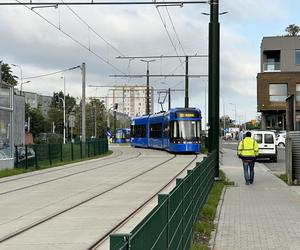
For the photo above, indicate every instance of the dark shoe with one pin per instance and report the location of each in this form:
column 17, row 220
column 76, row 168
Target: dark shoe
column 251, row 182
column 247, row 183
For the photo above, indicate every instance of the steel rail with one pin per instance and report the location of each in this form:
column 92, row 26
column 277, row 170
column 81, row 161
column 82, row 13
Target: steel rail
column 68, row 175
column 48, row 218
column 55, row 169
column 100, row 241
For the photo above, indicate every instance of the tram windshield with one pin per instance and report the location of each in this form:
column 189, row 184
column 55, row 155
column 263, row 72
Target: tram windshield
column 187, row 130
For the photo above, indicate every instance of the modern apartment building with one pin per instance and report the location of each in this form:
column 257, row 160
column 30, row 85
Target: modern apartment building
column 131, row 99
column 35, row 100
column 278, row 79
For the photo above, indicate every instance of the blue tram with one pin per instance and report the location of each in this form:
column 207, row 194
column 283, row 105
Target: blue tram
column 177, row 130
column 122, row 135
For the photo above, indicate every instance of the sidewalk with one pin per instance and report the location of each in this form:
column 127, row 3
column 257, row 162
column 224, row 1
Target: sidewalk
column 265, row 215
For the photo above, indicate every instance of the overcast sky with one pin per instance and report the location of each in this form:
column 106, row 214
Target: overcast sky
column 40, row 48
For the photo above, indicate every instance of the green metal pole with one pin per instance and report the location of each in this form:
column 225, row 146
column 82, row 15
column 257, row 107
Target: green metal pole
column 61, row 152
column 16, row 147
column 49, row 154
column 26, row 156
column 186, row 99
column 72, row 150
column 214, row 81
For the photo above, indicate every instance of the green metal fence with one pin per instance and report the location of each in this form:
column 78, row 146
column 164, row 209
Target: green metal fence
column 40, row 155
column 170, row 224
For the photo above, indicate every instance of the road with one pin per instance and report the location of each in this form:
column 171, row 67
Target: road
column 276, row 167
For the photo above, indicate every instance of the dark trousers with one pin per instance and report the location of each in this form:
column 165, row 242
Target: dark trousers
column 248, row 171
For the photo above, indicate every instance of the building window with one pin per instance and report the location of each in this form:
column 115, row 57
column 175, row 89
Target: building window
column 297, row 56
column 298, row 92
column 278, row 92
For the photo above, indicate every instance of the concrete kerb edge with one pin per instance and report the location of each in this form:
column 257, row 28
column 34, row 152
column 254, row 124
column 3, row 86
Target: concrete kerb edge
column 272, row 173
column 213, row 235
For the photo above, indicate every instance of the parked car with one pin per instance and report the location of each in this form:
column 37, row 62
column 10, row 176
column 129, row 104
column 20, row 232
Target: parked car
column 280, row 139
column 266, row 141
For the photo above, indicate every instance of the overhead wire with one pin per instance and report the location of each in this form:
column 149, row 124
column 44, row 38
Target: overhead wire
column 171, row 40
column 168, row 33
column 73, row 39
column 174, row 29
column 49, row 74
column 93, row 30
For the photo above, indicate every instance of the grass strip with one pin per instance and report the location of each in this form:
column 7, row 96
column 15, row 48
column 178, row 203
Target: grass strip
column 16, row 171
column 205, row 222
column 284, row 178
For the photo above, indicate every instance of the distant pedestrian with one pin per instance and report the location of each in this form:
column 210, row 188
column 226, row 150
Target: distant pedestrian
column 248, row 151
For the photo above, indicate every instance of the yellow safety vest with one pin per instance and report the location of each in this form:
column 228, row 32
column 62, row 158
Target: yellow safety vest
column 248, row 148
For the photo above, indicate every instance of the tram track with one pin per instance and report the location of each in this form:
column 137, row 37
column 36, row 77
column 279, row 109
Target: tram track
column 77, row 164
column 56, row 214
column 69, row 175
column 104, row 237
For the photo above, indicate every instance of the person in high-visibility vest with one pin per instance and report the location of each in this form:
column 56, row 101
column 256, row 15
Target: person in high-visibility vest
column 248, row 152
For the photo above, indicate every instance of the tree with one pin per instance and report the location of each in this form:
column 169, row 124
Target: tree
column 38, row 122
column 292, row 30
column 55, row 114
column 95, row 110
column 7, row 76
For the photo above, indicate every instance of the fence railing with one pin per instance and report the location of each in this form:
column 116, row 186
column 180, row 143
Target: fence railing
column 40, row 155
column 170, row 224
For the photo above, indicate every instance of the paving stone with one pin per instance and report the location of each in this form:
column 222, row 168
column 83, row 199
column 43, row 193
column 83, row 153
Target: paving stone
column 265, row 215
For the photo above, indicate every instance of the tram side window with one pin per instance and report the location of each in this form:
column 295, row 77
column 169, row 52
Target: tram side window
column 155, row 130
column 138, row 131
column 167, row 130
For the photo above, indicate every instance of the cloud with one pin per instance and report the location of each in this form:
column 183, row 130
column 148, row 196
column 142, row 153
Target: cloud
column 31, row 42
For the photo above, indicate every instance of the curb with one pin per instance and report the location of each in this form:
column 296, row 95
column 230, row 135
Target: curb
column 213, row 235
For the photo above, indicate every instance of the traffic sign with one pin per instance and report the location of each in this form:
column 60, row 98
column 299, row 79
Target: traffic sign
column 71, row 121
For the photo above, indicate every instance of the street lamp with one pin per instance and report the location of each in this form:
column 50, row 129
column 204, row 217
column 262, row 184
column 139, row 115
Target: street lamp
column 21, row 90
column 148, row 99
column 114, row 108
column 233, row 104
column 221, row 13
column 21, row 75
column 57, row 99
column 64, row 107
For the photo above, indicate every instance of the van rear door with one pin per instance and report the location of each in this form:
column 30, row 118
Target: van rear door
column 258, row 137
column 269, row 143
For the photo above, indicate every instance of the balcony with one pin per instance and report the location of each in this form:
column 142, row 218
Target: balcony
column 271, row 66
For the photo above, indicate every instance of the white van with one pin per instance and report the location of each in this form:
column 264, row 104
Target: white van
column 266, row 141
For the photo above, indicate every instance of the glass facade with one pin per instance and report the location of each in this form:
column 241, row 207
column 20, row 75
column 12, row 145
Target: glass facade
column 297, row 128
column 277, row 92
column 5, row 134
column 275, row 121
column 5, row 122
column 298, row 92
column 5, row 97
column 297, row 56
